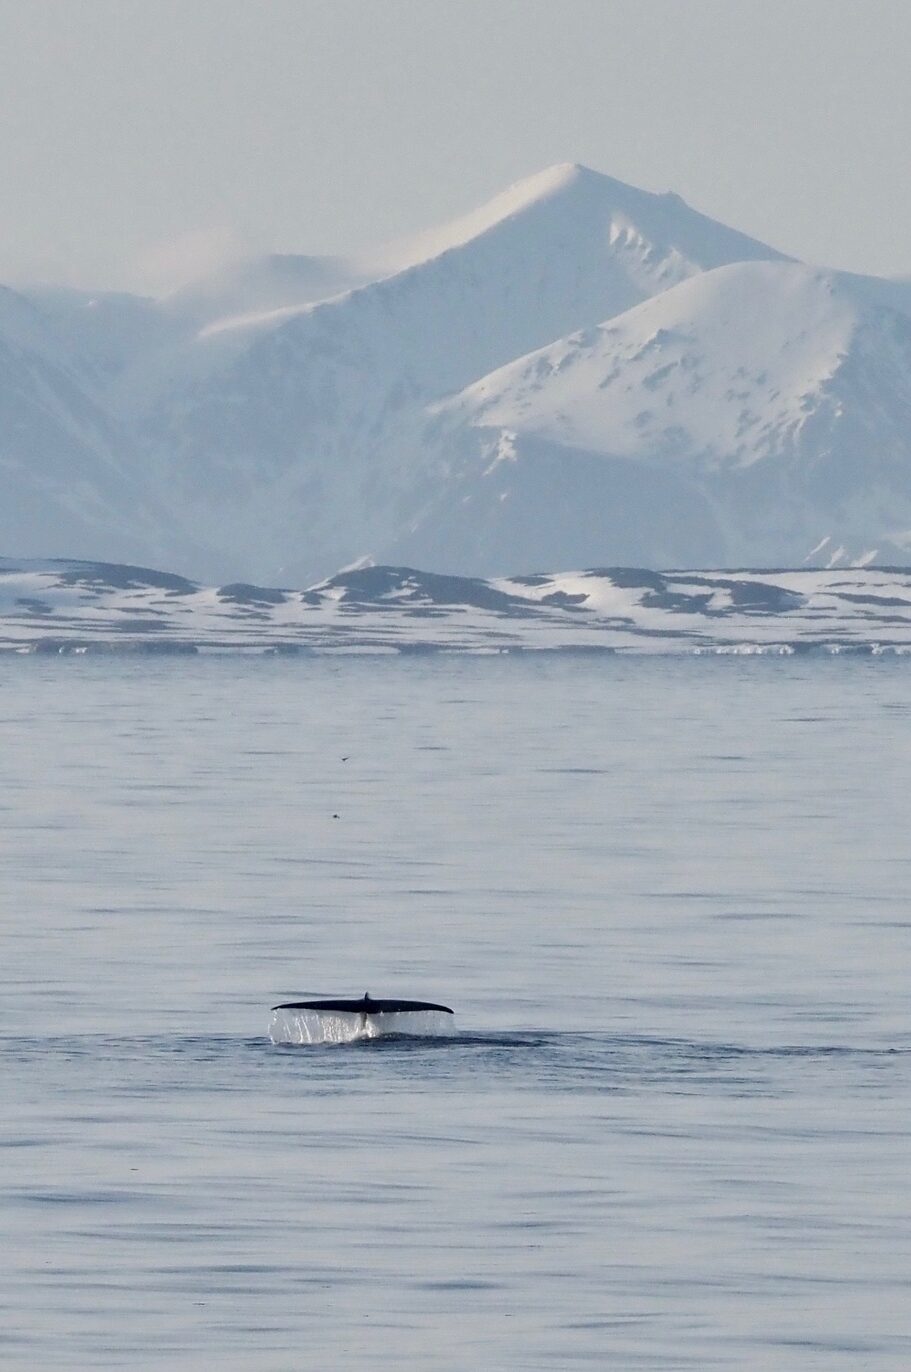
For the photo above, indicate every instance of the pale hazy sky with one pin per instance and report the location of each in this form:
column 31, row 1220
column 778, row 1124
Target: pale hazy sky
column 140, row 137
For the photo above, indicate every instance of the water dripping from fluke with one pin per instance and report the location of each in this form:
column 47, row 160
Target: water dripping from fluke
column 299, row 1022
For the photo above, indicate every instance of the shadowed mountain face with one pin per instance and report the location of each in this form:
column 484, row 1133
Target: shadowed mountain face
column 579, row 372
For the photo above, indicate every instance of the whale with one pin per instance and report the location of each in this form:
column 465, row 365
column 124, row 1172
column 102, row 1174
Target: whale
column 336, row 1019
column 365, row 1006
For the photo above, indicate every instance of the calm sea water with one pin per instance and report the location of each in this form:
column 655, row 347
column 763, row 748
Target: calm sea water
column 669, row 902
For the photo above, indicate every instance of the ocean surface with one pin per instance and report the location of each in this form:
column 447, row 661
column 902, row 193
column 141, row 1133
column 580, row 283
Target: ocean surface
column 669, row 902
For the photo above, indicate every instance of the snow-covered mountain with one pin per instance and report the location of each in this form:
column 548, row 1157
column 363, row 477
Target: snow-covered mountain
column 578, row 372
column 78, row 607
column 315, row 414
column 749, row 415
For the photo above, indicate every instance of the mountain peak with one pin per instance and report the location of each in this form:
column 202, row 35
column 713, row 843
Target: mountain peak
column 541, row 185
column 536, row 189
column 576, row 198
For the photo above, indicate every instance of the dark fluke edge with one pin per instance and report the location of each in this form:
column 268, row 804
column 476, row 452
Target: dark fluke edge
column 366, row 1006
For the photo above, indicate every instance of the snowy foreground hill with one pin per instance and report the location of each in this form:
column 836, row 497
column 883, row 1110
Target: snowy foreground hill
column 80, row 607
column 579, row 373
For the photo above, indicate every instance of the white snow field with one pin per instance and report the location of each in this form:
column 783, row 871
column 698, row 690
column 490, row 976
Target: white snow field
column 579, row 373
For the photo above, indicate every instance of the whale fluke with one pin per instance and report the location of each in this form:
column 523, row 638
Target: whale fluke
column 365, row 1006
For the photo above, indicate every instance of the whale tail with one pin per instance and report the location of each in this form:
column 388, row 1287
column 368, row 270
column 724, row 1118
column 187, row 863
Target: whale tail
column 343, row 1021
column 365, row 1006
